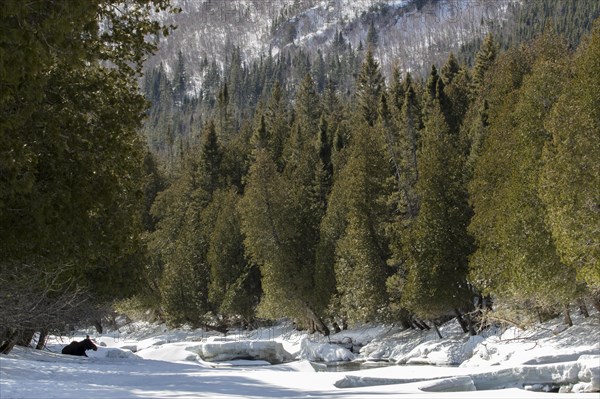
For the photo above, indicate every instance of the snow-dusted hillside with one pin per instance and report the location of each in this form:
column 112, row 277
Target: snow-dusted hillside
column 411, row 33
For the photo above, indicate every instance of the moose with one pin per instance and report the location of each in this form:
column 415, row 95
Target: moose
column 78, row 348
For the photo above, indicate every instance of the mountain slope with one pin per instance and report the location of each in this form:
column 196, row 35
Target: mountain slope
column 412, row 34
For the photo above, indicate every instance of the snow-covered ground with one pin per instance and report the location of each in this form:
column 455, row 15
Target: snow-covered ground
column 142, row 360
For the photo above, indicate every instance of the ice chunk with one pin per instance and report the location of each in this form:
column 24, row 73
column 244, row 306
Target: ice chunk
column 317, row 352
column 219, row 351
column 452, row 384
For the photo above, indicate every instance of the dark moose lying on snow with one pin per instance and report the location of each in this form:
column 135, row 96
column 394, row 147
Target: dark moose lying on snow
column 78, row 348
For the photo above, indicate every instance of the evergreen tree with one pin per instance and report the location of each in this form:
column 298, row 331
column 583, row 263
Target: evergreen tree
column 274, row 240
column 404, row 200
column 571, row 172
column 456, row 92
column 235, row 284
column 183, row 232
column 372, row 36
column 439, row 245
column 361, row 249
column 370, row 86
column 483, row 61
column 397, row 90
column 277, row 124
column 516, row 257
column 71, row 168
column 179, row 80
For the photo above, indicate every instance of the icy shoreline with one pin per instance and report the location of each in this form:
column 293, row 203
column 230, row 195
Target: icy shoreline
column 149, row 360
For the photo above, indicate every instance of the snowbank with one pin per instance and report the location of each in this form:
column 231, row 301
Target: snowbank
column 222, row 349
column 144, row 360
column 579, row 376
column 324, row 352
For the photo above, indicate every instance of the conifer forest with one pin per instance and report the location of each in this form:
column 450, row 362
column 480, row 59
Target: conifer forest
column 313, row 186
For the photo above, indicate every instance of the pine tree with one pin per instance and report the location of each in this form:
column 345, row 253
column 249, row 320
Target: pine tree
column 397, row 90
column 181, row 240
column 483, row 61
column 277, row 123
column 404, row 201
column 372, row 36
column 456, row 92
column 179, row 80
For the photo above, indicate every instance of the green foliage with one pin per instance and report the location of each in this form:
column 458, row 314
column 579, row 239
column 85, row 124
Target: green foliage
column 70, row 164
column 234, row 283
column 186, row 220
column 439, row 244
column 516, row 256
column 272, row 240
column 370, row 86
column 571, row 172
column 297, row 203
column 361, row 249
column 71, row 160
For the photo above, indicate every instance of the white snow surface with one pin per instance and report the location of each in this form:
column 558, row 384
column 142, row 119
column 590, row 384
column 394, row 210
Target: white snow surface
column 142, row 360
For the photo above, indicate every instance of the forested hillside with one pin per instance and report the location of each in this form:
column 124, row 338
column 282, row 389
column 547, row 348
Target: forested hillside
column 325, row 192
column 311, row 185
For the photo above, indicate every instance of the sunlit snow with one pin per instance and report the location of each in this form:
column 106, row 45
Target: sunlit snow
column 141, row 360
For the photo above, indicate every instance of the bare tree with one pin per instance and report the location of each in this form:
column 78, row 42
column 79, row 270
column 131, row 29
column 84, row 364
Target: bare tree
column 34, row 299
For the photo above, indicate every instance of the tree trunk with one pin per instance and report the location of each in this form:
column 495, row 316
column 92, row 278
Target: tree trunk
column 415, row 325
column 9, row 340
column 567, row 316
column 42, row 340
column 461, row 321
column 25, row 337
column 318, row 323
column 488, row 304
column 421, row 324
column 470, row 326
column 98, row 326
column 437, row 330
column 583, row 308
column 336, row 327
column 406, row 324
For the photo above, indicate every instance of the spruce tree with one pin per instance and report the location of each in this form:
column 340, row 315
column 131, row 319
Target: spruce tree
column 483, row 61
column 369, row 87
column 277, row 123
column 182, row 237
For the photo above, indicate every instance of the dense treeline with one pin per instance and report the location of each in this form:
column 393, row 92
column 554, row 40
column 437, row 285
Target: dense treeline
column 528, row 19
column 301, row 186
column 407, row 201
